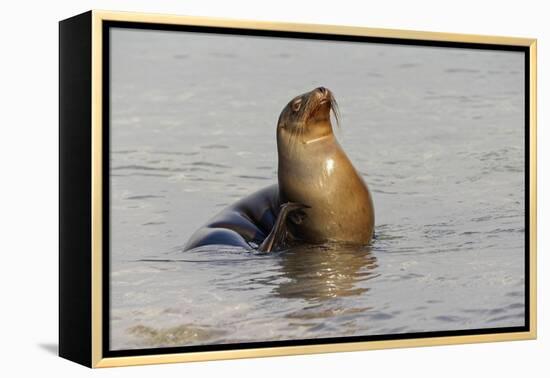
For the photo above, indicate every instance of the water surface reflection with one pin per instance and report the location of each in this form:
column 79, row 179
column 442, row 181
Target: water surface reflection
column 320, row 272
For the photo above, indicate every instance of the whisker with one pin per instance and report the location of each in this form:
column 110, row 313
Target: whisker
column 335, row 110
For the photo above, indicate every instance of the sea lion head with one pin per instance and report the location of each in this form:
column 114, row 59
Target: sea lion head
column 307, row 116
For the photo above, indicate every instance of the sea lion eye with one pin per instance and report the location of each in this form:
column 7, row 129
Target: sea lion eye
column 296, row 105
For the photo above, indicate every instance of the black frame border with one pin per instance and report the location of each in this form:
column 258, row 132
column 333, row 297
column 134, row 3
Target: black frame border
column 107, row 25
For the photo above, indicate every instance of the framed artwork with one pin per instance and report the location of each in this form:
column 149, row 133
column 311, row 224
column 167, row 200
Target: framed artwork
column 235, row 189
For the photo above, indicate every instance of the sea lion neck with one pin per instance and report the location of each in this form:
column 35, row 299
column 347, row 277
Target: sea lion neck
column 298, row 146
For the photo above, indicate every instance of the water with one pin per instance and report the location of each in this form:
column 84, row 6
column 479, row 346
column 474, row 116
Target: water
column 436, row 133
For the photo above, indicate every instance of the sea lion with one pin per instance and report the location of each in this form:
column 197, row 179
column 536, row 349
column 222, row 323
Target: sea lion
column 320, row 197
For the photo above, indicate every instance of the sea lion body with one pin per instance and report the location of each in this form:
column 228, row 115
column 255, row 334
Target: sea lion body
column 320, row 197
column 340, row 205
column 246, row 223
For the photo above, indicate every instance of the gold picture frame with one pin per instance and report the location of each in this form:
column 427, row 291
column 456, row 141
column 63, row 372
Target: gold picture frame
column 82, row 278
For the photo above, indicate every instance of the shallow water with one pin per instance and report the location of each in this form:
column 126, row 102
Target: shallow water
column 436, row 133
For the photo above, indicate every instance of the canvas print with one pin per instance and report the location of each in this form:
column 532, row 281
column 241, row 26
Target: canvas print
column 268, row 189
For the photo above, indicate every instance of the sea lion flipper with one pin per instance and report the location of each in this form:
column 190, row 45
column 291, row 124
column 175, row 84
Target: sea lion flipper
column 279, row 236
